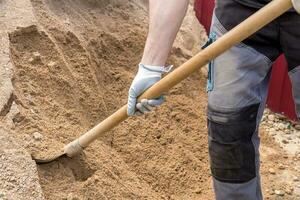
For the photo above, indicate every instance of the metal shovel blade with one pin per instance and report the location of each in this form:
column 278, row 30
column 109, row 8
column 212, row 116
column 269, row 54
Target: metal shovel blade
column 48, row 158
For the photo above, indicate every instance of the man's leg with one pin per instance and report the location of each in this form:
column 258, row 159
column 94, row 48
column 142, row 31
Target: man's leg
column 290, row 42
column 237, row 93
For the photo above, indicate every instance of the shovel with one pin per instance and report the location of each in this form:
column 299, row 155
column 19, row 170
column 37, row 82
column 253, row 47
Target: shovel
column 251, row 25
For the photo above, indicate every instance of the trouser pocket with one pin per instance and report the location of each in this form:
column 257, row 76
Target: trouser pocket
column 232, row 153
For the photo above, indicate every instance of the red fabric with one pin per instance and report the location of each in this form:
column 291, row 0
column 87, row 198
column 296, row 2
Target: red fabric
column 280, row 98
column 204, row 10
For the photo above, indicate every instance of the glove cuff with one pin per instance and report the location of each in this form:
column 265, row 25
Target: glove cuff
column 296, row 4
column 159, row 69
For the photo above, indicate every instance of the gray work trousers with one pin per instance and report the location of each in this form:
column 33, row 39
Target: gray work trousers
column 237, row 90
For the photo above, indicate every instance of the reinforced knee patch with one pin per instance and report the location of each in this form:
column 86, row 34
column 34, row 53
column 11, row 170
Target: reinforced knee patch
column 232, row 153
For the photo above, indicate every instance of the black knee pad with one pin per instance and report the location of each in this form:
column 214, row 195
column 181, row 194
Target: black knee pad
column 232, row 153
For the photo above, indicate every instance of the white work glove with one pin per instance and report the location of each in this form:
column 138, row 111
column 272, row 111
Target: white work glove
column 296, row 4
column 146, row 77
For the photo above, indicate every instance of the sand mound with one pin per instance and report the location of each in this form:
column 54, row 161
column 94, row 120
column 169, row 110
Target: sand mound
column 72, row 70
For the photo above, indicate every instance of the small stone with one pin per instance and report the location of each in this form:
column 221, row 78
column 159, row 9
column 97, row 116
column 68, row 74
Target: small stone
column 18, row 118
column 12, row 178
column 284, row 141
column 96, row 178
column 295, row 179
column 37, row 136
column 51, row 64
column 297, row 127
column 198, row 191
column 272, row 171
column 279, row 192
column 271, row 118
column 31, row 60
column 281, row 166
column 281, row 126
column 67, row 21
column 32, row 111
column 36, row 55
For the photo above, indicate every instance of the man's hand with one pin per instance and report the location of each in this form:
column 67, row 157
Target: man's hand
column 296, row 4
column 145, row 78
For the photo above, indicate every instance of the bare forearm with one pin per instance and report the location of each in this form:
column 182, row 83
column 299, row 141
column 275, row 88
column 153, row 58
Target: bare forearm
column 165, row 20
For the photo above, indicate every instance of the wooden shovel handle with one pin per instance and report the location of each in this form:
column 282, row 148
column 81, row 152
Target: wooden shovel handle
column 233, row 37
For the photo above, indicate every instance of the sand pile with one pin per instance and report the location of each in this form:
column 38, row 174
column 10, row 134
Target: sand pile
column 71, row 70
